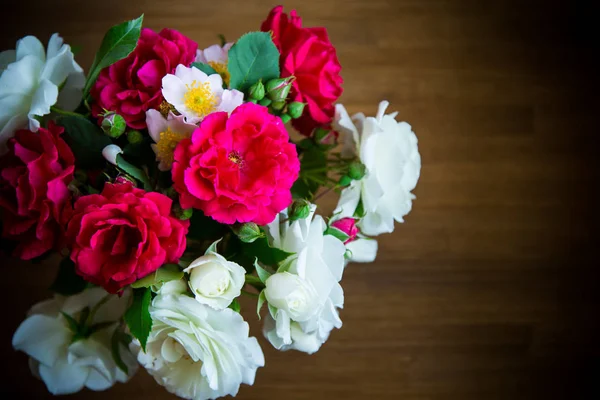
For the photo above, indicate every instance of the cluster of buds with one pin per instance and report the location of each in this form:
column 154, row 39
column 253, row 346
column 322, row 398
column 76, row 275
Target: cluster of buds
column 273, row 94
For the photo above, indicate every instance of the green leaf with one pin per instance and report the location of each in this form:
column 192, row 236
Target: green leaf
column 252, row 57
column 263, row 274
column 261, row 300
column 286, row 264
column 116, row 340
column 266, row 254
column 235, row 305
column 207, row 69
column 213, row 247
column 336, row 233
column 360, row 209
column 118, row 43
column 166, row 273
column 67, row 282
column 138, row 317
column 313, row 173
column 134, row 171
column 85, row 139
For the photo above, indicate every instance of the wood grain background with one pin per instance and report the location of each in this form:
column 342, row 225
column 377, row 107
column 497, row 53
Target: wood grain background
column 489, row 290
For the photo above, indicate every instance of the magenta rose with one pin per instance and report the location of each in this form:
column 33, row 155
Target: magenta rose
column 34, row 194
column 123, row 234
column 132, row 86
column 348, row 226
column 307, row 54
column 238, row 168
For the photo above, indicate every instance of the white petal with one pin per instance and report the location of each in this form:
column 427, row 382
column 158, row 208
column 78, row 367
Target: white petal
column 156, row 124
column 42, row 337
column 30, row 46
column 363, row 250
column 21, row 77
column 64, row 378
column 343, row 124
column 230, row 100
column 110, row 153
column 59, row 66
column 348, row 200
column 215, row 53
column 216, row 84
column 282, row 324
column 377, row 222
column 45, row 97
column 381, row 109
column 173, row 90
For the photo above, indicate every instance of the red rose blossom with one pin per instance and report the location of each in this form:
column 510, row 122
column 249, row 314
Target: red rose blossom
column 307, row 54
column 131, row 86
column 34, row 194
column 239, row 168
column 123, row 234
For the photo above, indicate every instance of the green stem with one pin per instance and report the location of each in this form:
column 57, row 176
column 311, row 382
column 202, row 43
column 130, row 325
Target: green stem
column 63, row 112
column 254, row 281
column 247, row 293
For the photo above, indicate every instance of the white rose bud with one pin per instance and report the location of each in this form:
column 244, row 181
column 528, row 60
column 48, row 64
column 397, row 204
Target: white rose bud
column 215, row 281
column 292, row 294
column 110, row 153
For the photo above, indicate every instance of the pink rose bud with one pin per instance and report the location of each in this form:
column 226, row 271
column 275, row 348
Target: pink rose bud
column 348, row 226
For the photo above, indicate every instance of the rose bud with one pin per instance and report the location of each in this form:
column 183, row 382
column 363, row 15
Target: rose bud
column 278, row 89
column 257, row 91
column 295, row 109
column 113, row 124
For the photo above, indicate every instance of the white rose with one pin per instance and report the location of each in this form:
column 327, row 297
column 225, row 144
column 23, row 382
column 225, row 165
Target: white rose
column 389, row 151
column 292, row 294
column 30, row 80
column 66, row 366
column 307, row 294
column 197, row 352
column 215, row 281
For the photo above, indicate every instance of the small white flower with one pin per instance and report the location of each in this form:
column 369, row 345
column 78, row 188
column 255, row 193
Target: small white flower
column 217, row 57
column 111, row 152
column 167, row 133
column 197, row 352
column 215, row 281
column 305, row 292
column 66, row 366
column 196, row 95
column 389, row 151
column 30, row 80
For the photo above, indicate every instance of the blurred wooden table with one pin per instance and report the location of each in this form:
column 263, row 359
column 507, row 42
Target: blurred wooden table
column 489, row 290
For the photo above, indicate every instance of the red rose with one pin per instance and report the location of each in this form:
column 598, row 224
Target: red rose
column 34, row 197
column 133, row 85
column 307, row 54
column 123, row 234
column 238, row 168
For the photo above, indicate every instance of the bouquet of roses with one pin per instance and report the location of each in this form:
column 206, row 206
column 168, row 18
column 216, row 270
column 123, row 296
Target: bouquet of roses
column 168, row 183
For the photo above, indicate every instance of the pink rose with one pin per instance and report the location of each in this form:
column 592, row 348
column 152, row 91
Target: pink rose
column 237, row 169
column 123, row 234
column 348, row 226
column 307, row 54
column 132, row 86
column 34, row 197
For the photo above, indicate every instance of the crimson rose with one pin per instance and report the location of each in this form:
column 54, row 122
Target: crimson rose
column 123, row 234
column 132, row 86
column 34, row 194
column 307, row 54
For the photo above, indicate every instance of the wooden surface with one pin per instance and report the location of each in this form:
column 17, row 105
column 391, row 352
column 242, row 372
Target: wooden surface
column 489, row 290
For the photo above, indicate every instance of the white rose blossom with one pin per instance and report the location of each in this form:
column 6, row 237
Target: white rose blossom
column 389, row 151
column 197, row 352
column 66, row 366
column 217, row 57
column 30, row 81
column 305, row 293
column 195, row 94
column 214, row 280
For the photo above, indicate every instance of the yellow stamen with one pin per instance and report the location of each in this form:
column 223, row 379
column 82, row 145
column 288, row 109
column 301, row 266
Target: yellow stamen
column 221, row 69
column 200, row 99
column 236, row 158
column 166, row 146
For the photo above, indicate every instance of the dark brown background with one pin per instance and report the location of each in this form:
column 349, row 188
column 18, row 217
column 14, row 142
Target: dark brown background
column 489, row 290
